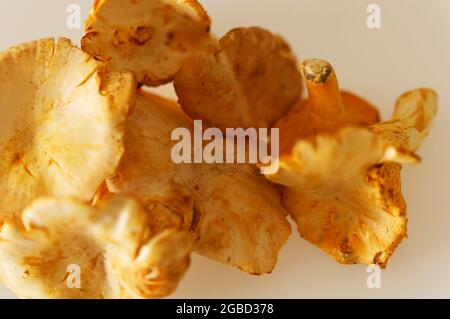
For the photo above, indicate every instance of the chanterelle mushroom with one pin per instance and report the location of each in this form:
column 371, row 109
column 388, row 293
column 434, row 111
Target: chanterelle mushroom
column 61, row 126
column 251, row 80
column 109, row 249
column 149, row 37
column 342, row 183
column 234, row 215
column 326, row 110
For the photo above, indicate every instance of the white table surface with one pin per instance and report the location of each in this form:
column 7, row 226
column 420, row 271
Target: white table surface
column 412, row 49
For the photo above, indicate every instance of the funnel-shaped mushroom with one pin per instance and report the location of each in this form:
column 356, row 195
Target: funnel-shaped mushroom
column 62, row 121
column 234, row 215
column 65, row 249
column 342, row 183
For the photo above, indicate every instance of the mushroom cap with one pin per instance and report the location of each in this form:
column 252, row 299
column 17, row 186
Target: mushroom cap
column 251, row 81
column 362, row 112
column 62, row 125
column 410, row 125
column 344, row 197
column 344, row 189
column 240, row 219
column 147, row 169
column 234, row 215
column 151, row 38
column 111, row 247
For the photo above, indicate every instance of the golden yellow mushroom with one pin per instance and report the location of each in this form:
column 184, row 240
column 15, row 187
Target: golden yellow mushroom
column 326, row 109
column 151, row 38
column 342, row 182
column 251, row 80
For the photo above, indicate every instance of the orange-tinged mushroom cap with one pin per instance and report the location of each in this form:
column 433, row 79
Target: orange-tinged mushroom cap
column 151, row 38
column 250, row 81
column 342, row 182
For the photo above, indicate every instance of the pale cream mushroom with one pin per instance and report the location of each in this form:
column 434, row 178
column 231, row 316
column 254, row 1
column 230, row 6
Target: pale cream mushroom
column 149, row 37
column 62, row 248
column 61, row 129
column 234, row 215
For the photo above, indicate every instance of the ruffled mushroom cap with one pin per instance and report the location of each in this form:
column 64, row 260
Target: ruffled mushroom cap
column 111, row 250
column 342, row 183
column 250, row 81
column 411, row 123
column 61, row 129
column 240, row 220
column 147, row 169
column 151, row 38
column 234, row 215
column 343, row 191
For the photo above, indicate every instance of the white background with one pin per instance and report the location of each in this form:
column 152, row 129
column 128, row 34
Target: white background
column 412, row 49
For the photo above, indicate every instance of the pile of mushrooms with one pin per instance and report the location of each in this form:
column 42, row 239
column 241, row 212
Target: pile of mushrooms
column 87, row 178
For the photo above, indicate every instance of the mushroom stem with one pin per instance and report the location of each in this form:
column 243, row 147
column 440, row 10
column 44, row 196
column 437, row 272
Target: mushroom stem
column 323, row 88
